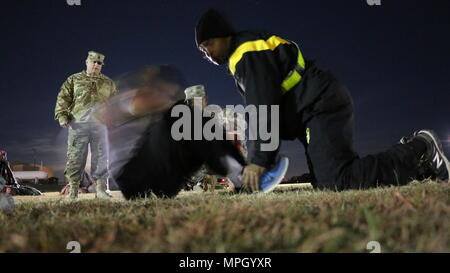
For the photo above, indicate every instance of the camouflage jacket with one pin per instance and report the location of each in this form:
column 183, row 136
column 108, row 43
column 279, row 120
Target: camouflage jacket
column 235, row 123
column 79, row 94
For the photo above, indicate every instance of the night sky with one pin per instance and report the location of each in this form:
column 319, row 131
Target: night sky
column 394, row 58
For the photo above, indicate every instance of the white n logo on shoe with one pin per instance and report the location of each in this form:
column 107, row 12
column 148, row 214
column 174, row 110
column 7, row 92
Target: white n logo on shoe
column 438, row 160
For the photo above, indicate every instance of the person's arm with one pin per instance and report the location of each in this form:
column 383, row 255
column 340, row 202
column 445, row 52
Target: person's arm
column 260, row 79
column 64, row 102
column 113, row 88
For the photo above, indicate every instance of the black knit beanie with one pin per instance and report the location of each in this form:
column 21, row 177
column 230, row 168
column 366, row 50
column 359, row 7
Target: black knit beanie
column 212, row 24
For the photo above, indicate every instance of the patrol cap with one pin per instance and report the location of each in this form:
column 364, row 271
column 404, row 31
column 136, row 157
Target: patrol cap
column 212, row 24
column 195, row 91
column 96, row 57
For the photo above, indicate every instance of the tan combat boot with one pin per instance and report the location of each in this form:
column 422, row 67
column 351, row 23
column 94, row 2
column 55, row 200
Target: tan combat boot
column 100, row 190
column 73, row 192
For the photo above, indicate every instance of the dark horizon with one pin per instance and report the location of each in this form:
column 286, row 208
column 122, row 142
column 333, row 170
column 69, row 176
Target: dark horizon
column 394, row 59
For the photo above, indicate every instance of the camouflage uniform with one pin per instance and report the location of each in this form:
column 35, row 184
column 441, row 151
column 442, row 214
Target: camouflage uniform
column 227, row 118
column 78, row 96
column 234, row 123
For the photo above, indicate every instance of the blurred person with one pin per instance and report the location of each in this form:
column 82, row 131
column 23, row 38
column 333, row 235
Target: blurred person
column 145, row 157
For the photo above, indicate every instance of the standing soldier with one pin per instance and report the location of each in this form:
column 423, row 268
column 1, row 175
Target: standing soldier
column 78, row 96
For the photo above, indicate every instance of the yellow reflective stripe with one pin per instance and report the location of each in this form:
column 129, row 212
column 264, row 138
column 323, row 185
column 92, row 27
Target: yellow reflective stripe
column 294, row 77
column 258, row 45
column 291, row 81
column 308, row 137
column 300, row 59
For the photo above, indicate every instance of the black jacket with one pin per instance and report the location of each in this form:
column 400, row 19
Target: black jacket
column 259, row 62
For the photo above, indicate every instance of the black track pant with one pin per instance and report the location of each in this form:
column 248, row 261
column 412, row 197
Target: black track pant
column 329, row 148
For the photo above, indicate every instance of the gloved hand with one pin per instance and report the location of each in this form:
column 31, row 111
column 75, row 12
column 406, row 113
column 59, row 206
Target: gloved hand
column 251, row 175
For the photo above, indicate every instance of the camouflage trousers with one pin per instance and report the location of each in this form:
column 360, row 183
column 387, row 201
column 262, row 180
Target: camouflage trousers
column 80, row 136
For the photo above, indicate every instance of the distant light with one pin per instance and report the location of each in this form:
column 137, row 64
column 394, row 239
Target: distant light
column 447, row 141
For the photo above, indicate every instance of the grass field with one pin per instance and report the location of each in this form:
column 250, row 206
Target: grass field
column 413, row 218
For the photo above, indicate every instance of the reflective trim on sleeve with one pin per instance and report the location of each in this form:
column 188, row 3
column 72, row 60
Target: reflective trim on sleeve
column 308, row 136
column 295, row 75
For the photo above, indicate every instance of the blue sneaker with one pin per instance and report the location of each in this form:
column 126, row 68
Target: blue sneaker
column 271, row 178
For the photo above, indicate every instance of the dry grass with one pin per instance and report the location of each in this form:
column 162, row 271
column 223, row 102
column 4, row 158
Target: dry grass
column 413, row 218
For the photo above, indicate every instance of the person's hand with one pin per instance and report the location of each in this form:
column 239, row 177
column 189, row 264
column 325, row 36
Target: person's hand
column 64, row 124
column 251, row 175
